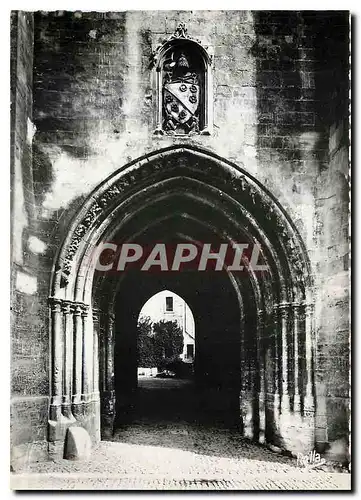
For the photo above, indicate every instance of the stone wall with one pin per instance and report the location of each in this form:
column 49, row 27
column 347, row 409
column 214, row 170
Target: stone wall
column 94, row 111
column 30, row 338
column 94, row 107
column 331, row 238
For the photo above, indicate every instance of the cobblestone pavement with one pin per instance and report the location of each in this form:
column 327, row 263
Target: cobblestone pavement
column 178, row 456
column 159, row 451
column 303, row 482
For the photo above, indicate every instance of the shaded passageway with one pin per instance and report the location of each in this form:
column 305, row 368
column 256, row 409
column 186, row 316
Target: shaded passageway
column 165, row 400
column 211, row 393
column 170, row 401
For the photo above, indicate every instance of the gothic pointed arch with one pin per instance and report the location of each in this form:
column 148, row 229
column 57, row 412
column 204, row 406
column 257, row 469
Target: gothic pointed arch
column 198, row 195
column 226, row 180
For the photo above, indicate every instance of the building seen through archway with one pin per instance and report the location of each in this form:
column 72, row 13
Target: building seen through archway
column 167, row 306
column 165, row 389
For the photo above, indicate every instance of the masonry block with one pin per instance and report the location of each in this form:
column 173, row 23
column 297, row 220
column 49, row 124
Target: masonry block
column 77, row 444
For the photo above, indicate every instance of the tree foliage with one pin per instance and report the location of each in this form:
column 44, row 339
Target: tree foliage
column 168, row 342
column 158, row 343
column 145, row 343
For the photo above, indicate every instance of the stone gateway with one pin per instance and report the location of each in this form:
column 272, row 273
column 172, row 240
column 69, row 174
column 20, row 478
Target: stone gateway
column 180, row 128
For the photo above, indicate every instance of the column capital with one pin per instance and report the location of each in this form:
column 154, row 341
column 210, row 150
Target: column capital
column 309, row 307
column 55, row 304
column 96, row 312
column 261, row 315
column 84, row 310
column 284, row 307
column 66, row 306
column 281, row 305
column 77, row 308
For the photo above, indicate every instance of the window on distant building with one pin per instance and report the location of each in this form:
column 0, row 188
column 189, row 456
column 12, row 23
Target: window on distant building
column 190, row 351
column 169, row 304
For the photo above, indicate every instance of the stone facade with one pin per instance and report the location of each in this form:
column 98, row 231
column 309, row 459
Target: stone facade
column 83, row 147
column 156, row 309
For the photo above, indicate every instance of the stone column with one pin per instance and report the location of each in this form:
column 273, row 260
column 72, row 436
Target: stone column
column 208, row 108
column 296, row 335
column 309, row 402
column 102, row 351
column 159, row 107
column 87, row 358
column 308, row 437
column 242, row 368
column 78, row 354
column 109, row 353
column 57, row 359
column 260, row 362
column 277, row 350
column 95, row 389
column 107, row 384
column 284, row 310
column 68, row 358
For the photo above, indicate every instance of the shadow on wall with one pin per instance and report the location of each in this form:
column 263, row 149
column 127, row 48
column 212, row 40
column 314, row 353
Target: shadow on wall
column 279, row 86
column 302, row 83
column 67, row 100
column 205, row 440
column 43, row 175
column 302, row 95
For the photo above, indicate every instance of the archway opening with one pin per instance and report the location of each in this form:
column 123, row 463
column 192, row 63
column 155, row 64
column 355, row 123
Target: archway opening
column 165, row 388
column 166, row 337
column 206, row 386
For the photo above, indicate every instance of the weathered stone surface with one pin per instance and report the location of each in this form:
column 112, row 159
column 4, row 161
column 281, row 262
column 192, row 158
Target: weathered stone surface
column 204, row 458
column 338, row 451
column 280, row 88
column 77, row 444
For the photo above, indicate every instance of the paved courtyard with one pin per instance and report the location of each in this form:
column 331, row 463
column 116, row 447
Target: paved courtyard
column 154, row 454
column 180, row 456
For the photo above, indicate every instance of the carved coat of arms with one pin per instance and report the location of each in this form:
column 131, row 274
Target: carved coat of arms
column 181, row 96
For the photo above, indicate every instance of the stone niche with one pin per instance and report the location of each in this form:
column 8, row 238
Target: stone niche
column 183, row 82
